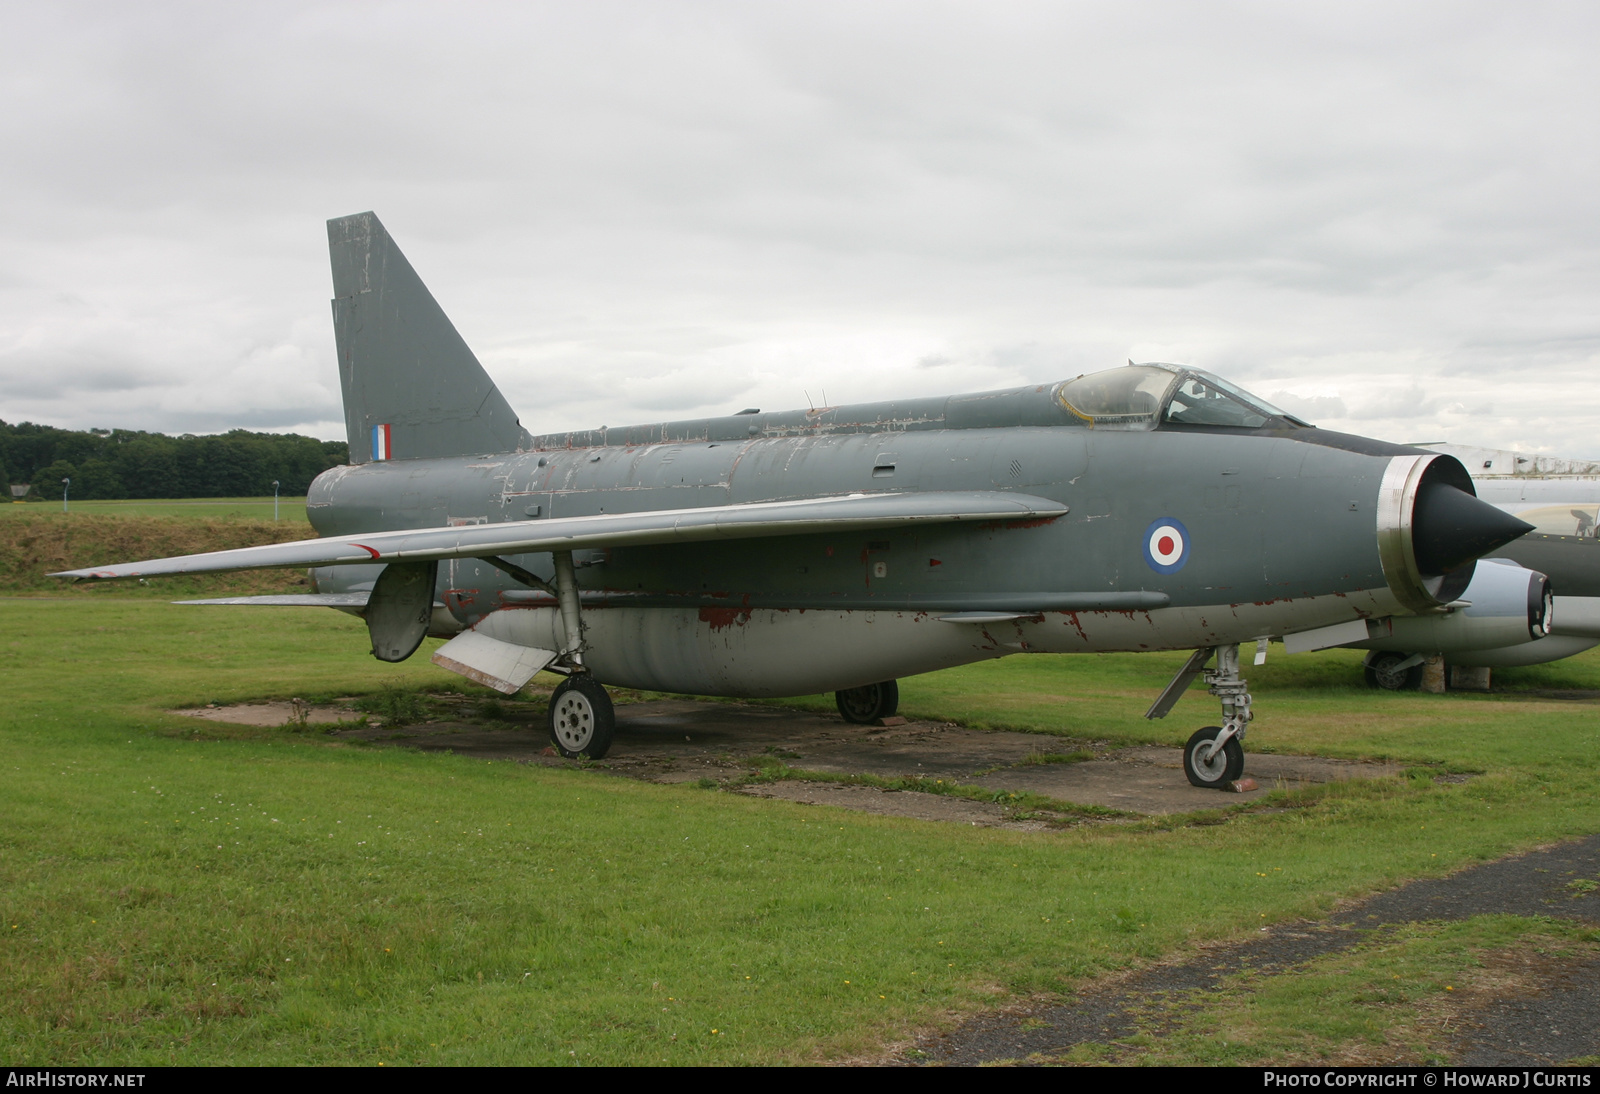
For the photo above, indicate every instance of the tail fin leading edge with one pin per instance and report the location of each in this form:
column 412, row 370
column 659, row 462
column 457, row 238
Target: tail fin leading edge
column 412, row 387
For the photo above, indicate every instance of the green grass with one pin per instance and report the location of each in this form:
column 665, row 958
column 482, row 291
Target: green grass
column 182, row 892
column 289, row 509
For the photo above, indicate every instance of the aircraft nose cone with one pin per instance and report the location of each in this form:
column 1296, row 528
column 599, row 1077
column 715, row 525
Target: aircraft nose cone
column 1450, row 527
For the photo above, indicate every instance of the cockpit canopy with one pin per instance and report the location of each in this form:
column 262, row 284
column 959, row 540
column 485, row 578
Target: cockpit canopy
column 1137, row 397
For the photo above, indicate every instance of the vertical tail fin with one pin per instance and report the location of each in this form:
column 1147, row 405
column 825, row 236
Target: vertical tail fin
column 412, row 388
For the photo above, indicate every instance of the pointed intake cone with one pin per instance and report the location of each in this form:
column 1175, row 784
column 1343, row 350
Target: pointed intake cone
column 1450, row 527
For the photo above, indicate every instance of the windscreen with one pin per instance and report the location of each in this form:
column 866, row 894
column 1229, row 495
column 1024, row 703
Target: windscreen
column 1203, row 399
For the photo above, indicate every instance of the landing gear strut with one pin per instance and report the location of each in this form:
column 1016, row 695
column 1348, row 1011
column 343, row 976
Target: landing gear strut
column 1214, row 757
column 866, row 705
column 582, row 720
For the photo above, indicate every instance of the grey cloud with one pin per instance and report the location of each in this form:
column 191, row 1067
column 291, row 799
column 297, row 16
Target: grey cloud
column 1312, row 408
column 647, row 210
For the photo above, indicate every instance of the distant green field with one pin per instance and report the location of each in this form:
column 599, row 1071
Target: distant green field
column 36, row 541
column 290, row 509
column 176, row 892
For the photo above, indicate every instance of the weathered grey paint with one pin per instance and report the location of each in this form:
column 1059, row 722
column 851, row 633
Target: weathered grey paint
column 400, row 609
column 1284, row 521
column 433, row 393
column 1266, row 523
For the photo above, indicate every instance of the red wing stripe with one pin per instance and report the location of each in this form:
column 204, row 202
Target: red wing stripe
column 369, row 550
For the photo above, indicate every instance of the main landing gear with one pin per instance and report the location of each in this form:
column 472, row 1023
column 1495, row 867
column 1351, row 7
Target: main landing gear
column 582, row 720
column 866, row 705
column 1214, row 757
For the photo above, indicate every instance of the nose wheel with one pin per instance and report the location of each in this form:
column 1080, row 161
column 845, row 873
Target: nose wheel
column 1208, row 768
column 582, row 721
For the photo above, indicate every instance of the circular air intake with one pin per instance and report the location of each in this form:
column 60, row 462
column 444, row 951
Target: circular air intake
column 1432, row 529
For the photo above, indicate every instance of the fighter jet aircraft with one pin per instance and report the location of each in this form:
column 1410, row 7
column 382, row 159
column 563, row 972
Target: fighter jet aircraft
column 1146, row 507
column 1561, row 499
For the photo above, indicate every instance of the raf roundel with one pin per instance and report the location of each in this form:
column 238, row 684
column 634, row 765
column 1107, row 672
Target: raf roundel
column 1166, row 545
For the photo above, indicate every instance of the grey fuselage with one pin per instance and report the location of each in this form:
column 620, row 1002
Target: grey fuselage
column 1282, row 535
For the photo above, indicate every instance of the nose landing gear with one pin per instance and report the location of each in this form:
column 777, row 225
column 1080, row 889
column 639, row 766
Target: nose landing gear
column 1214, row 757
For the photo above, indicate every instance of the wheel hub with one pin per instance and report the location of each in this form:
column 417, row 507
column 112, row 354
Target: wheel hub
column 574, row 721
column 1212, row 769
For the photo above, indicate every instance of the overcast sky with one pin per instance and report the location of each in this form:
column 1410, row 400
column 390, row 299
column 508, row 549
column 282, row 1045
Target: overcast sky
column 1382, row 216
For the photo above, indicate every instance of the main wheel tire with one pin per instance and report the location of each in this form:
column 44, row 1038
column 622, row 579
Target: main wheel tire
column 582, row 721
column 1381, row 672
column 1223, row 768
column 866, row 705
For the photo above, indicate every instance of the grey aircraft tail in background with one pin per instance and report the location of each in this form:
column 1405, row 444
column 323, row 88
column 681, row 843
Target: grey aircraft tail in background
column 1149, row 507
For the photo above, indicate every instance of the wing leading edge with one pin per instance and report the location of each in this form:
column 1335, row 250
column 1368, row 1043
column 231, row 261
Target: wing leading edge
column 850, row 513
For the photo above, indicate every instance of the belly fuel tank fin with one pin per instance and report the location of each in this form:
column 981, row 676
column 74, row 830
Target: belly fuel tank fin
column 491, row 662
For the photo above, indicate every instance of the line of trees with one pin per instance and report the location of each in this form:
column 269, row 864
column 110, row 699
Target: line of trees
column 122, row 463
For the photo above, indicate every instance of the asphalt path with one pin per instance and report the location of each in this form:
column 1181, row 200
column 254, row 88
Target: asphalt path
column 1561, row 1022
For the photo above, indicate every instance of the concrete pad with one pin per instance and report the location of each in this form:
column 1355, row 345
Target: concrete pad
column 274, row 713
column 1150, row 779
column 683, row 740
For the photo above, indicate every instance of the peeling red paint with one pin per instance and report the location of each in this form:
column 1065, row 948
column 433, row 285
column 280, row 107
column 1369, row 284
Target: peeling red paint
column 1077, row 625
column 456, row 599
column 722, row 618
